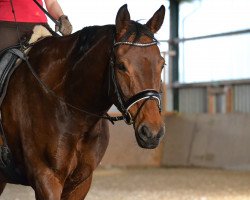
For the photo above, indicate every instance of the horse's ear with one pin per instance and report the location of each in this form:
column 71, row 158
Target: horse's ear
column 154, row 24
column 122, row 20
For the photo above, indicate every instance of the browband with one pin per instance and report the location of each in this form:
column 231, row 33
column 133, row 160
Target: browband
column 135, row 44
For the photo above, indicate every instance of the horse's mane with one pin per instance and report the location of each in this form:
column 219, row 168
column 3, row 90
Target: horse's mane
column 89, row 35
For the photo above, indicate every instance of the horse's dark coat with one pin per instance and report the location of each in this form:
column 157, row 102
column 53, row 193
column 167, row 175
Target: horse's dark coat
column 56, row 147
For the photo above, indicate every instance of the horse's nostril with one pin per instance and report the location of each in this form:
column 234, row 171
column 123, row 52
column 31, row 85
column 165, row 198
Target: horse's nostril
column 145, row 133
column 161, row 133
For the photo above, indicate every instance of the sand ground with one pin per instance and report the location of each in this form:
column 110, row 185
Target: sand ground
column 157, row 184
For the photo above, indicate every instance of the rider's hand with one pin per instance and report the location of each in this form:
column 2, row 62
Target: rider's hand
column 65, row 27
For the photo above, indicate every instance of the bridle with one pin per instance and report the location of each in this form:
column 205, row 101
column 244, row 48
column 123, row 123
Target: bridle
column 144, row 95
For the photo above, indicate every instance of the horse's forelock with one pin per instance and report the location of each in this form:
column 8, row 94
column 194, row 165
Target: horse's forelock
column 137, row 30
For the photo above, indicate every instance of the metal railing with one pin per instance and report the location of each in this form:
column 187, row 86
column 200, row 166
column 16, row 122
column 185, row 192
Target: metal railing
column 174, row 86
column 179, row 40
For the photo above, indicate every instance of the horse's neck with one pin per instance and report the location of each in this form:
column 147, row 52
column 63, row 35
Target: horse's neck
column 87, row 82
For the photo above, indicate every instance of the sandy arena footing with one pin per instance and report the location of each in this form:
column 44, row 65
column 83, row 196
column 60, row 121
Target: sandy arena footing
column 157, row 184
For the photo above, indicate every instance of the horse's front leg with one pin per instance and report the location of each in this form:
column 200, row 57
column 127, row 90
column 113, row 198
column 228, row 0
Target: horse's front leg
column 47, row 186
column 80, row 191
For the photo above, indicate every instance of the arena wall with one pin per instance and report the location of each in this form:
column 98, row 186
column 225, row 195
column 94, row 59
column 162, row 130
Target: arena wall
column 215, row 140
column 200, row 140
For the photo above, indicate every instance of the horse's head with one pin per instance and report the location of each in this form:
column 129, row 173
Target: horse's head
column 137, row 72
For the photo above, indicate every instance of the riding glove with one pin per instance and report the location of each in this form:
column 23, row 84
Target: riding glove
column 65, row 27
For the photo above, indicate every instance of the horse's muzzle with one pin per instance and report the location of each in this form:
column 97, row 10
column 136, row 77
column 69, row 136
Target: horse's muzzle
column 146, row 138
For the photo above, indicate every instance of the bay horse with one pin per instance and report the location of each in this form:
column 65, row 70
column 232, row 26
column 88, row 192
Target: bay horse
column 54, row 113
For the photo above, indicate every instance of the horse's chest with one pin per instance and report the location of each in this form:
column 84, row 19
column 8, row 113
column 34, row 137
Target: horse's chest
column 79, row 162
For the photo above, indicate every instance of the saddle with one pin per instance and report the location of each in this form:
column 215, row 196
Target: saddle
column 10, row 59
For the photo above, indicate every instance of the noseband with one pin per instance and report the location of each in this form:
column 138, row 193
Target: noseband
column 144, row 96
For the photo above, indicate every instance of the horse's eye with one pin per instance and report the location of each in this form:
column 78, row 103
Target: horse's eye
column 121, row 67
